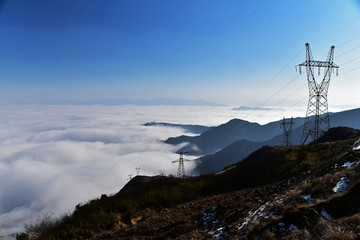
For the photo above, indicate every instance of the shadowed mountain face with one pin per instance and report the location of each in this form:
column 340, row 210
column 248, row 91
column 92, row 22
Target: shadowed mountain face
column 233, row 141
column 230, row 132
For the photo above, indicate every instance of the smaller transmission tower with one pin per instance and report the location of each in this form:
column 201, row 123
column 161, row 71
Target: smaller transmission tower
column 137, row 169
column 317, row 116
column 287, row 126
column 181, row 168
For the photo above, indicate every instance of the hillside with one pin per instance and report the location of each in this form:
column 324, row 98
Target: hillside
column 276, row 192
column 223, row 135
column 239, row 149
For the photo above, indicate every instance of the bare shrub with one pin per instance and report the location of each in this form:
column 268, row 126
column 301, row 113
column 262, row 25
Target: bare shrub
column 41, row 227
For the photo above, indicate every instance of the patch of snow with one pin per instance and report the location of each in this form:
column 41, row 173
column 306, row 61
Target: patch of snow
column 292, row 227
column 254, row 216
column 281, row 227
column 220, row 233
column 326, row 215
column 341, row 186
column 308, row 198
column 356, row 145
column 214, row 226
column 218, row 236
column 208, row 216
column 356, row 148
column 336, row 165
column 244, row 224
column 349, row 164
column 279, row 200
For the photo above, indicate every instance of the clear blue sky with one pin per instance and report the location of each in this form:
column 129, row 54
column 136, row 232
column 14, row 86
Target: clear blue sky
column 229, row 52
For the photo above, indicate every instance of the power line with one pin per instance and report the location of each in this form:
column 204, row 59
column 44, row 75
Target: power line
column 349, row 61
column 349, row 71
column 358, row 46
column 342, row 44
column 272, row 79
column 272, row 96
column 336, row 30
column 291, row 94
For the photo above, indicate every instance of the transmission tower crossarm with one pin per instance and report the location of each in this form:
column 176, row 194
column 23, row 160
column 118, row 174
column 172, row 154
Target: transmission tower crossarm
column 184, row 160
column 325, row 64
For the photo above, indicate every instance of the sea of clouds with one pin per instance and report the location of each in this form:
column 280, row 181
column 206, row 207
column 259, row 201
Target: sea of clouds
column 55, row 157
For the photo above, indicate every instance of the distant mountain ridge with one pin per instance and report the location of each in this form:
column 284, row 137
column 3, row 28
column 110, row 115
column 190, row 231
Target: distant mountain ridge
column 136, row 102
column 225, row 134
column 247, row 108
column 233, row 141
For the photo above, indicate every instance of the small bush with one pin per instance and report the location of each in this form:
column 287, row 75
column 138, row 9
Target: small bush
column 22, row 236
column 41, row 228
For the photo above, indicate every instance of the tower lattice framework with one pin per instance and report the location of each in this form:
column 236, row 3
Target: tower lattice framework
column 317, row 116
column 181, row 168
column 287, row 126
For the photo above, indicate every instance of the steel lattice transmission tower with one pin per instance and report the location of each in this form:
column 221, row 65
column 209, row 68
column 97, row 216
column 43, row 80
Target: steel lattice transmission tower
column 317, row 116
column 137, row 169
column 181, row 168
column 287, row 127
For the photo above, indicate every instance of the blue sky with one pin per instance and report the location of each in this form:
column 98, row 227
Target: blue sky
column 230, row 52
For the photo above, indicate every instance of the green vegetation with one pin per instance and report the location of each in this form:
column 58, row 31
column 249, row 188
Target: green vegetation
column 267, row 165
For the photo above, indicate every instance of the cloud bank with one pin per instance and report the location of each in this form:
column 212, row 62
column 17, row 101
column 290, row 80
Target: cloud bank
column 54, row 157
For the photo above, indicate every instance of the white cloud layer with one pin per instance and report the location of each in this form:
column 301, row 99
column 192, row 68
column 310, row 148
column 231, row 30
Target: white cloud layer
column 54, row 157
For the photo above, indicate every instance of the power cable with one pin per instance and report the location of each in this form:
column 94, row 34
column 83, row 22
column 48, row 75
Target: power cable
column 272, row 79
column 349, row 61
column 347, row 51
column 272, row 96
column 336, row 30
column 349, row 71
column 342, row 44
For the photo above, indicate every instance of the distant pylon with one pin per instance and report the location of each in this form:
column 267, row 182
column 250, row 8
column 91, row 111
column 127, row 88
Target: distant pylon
column 317, row 116
column 181, row 168
column 287, row 127
column 137, row 169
